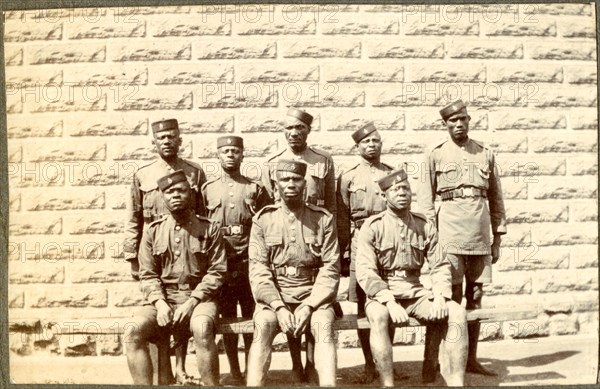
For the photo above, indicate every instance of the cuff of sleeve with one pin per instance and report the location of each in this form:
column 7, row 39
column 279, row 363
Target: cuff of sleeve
column 444, row 292
column 198, row 295
column 384, row 296
column 154, row 297
column 276, row 304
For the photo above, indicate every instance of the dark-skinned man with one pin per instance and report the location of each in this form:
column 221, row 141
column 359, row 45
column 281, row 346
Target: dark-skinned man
column 146, row 204
column 358, row 197
column 232, row 200
column 463, row 173
column 294, row 274
column 182, row 265
column 391, row 250
column 320, row 191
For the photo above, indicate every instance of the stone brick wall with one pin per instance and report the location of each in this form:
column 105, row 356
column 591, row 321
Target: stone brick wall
column 84, row 84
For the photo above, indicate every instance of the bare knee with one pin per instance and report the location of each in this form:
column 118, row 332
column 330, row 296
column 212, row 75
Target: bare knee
column 265, row 324
column 321, row 323
column 203, row 328
column 138, row 332
column 456, row 313
column 379, row 317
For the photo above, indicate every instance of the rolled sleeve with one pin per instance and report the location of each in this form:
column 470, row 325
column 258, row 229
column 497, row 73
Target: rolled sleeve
column 367, row 274
column 326, row 284
column 262, row 282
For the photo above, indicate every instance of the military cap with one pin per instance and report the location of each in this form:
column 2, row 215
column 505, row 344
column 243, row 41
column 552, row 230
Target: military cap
column 304, row 117
column 171, row 179
column 230, row 140
column 363, row 132
column 289, row 165
column 164, row 125
column 452, row 108
column 389, row 180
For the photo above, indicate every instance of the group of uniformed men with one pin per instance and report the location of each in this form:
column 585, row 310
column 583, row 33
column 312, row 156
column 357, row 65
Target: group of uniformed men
column 278, row 248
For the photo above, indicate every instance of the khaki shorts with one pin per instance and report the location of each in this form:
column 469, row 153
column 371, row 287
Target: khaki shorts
column 418, row 307
column 148, row 312
column 475, row 268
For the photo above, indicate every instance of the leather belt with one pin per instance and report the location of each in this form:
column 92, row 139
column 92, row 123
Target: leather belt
column 296, row 271
column 180, row 286
column 402, row 273
column 233, row 229
column 463, row 192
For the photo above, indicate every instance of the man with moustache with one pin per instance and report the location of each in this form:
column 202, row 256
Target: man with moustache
column 182, row 265
column 320, row 191
column 463, row 173
column 392, row 248
column 358, row 197
column 146, row 204
column 232, row 199
column 294, row 274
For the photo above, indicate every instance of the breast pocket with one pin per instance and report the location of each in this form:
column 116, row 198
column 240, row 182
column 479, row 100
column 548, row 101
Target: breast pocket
column 358, row 196
column 212, row 204
column 199, row 267
column 386, row 254
column 482, row 177
column 448, row 176
column 314, row 252
column 274, row 247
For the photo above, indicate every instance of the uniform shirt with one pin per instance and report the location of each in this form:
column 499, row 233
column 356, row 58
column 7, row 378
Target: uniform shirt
column 464, row 223
column 234, row 200
column 358, row 197
column 388, row 242
column 279, row 238
column 320, row 176
column 146, row 203
column 190, row 253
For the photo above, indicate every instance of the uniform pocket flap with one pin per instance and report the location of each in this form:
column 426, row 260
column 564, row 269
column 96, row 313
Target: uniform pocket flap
column 356, row 188
column 273, row 240
column 213, row 204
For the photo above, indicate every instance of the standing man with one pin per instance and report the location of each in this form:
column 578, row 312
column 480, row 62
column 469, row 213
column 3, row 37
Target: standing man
column 358, row 197
column 391, row 250
column 182, row 265
column 320, row 191
column 294, row 274
column 463, row 172
column 146, row 204
column 232, row 200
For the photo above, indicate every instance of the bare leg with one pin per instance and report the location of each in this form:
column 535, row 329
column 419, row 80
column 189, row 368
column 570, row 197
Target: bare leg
column 138, row 356
column 474, row 294
column 180, row 355
column 433, row 337
column 381, row 344
column 453, row 355
column 295, row 346
column 365, row 344
column 324, row 341
column 259, row 357
column 206, row 350
column 310, row 373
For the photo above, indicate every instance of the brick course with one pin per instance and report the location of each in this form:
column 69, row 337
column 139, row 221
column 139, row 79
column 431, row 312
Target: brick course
column 82, row 88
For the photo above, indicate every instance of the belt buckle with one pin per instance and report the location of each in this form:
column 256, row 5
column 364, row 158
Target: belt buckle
column 291, row 271
column 468, row 192
column 184, row 287
column 237, row 230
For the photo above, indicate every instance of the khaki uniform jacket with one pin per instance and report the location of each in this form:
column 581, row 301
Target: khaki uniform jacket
column 320, row 176
column 464, row 223
column 387, row 242
column 189, row 255
column 358, row 197
column 234, row 200
column 279, row 239
column 146, row 204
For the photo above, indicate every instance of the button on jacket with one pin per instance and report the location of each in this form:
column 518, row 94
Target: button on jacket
column 358, row 197
column 146, row 204
column 464, row 222
column 234, row 200
column 189, row 255
column 320, row 176
column 279, row 239
column 386, row 242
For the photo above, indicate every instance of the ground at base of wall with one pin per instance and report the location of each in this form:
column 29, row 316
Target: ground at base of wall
column 540, row 361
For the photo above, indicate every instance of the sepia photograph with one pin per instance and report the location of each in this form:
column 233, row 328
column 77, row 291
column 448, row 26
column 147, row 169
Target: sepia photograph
column 300, row 194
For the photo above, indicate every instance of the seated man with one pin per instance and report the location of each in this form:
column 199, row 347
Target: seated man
column 391, row 250
column 294, row 275
column 182, row 264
